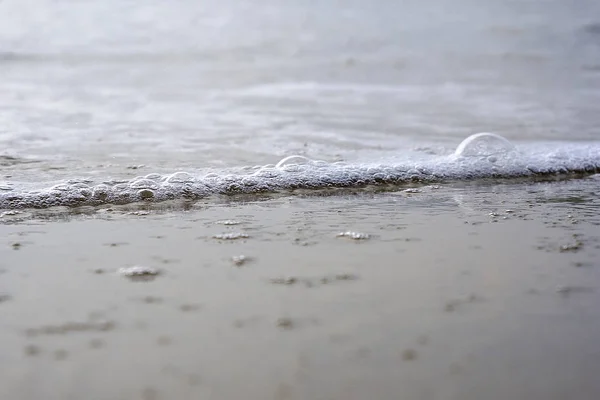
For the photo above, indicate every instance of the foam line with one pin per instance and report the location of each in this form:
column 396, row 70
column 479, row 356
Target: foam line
column 479, row 156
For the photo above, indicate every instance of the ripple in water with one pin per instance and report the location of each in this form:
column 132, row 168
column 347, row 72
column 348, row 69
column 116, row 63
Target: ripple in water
column 480, row 156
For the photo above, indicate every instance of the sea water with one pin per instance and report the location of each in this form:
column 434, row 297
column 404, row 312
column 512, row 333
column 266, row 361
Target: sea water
column 121, row 101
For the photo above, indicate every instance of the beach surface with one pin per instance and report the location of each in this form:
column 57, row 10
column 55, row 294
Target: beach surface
column 457, row 291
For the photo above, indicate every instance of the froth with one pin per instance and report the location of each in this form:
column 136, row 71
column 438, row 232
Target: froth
column 479, row 156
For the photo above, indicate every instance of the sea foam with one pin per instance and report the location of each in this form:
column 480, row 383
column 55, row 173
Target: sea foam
column 480, row 156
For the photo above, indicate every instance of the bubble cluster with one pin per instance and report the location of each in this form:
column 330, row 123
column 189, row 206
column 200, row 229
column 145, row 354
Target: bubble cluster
column 480, row 156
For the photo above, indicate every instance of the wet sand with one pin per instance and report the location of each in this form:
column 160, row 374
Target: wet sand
column 483, row 291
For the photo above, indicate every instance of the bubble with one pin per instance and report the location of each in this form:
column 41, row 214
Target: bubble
column 267, row 172
column 153, row 176
column 84, row 192
column 120, row 187
column 101, row 192
column 293, row 160
column 249, row 182
column 180, row 177
column 62, row 187
column 484, row 145
column 78, row 181
column 146, row 194
column 143, row 184
column 80, row 186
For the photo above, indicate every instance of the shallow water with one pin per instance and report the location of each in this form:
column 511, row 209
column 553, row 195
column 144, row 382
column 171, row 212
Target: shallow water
column 109, row 90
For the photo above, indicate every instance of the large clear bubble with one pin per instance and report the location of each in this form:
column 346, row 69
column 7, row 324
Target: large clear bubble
column 484, row 145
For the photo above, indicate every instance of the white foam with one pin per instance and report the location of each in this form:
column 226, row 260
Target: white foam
column 138, row 270
column 354, row 235
column 239, row 260
column 228, row 222
column 231, row 236
column 479, row 156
